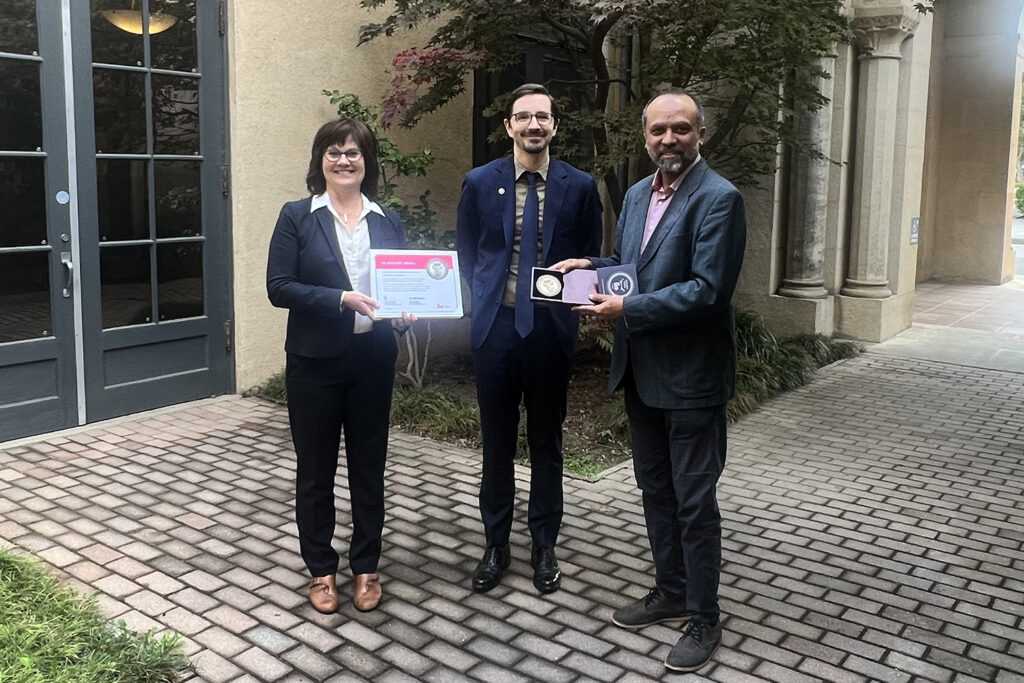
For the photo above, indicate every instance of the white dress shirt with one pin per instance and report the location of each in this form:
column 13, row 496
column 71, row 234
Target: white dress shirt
column 355, row 249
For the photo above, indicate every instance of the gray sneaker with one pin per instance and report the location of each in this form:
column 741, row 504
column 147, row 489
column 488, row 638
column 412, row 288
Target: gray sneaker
column 653, row 608
column 695, row 647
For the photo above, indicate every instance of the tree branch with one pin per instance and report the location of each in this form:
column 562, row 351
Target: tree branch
column 566, row 29
column 603, row 78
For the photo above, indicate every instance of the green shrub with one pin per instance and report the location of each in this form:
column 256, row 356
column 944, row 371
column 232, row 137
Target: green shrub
column 272, row 389
column 1018, row 198
column 766, row 367
column 823, row 350
column 596, row 336
column 436, row 412
column 753, row 339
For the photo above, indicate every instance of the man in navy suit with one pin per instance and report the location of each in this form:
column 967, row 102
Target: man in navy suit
column 675, row 357
column 515, row 213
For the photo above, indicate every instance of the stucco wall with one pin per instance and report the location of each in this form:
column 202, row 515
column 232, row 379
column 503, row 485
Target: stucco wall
column 280, row 57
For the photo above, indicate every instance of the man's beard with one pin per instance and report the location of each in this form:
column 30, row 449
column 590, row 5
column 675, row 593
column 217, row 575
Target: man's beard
column 535, row 145
column 673, row 164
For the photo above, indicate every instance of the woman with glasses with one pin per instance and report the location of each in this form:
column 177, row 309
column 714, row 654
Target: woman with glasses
column 340, row 365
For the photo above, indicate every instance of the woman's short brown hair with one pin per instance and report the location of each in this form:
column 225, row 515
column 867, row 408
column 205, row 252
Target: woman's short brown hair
column 336, row 133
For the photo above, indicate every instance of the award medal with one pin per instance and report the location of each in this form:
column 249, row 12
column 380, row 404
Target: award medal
column 549, row 285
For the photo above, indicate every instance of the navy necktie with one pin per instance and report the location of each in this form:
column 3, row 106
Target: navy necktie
column 527, row 258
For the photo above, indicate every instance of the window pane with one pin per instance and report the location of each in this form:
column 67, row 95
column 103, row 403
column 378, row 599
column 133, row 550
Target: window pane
column 22, row 202
column 18, row 27
column 178, row 204
column 125, row 286
column 174, row 49
column 116, row 32
column 175, row 115
column 123, row 199
column 120, row 111
column 180, row 274
column 21, row 121
column 24, row 296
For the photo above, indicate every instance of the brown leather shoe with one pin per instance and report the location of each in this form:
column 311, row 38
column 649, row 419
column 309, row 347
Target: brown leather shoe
column 367, row 592
column 323, row 594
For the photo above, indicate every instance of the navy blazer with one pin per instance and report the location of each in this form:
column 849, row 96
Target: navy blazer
column 486, row 233
column 678, row 331
column 306, row 274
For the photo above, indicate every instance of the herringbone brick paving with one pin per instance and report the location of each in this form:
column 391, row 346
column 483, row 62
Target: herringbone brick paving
column 874, row 526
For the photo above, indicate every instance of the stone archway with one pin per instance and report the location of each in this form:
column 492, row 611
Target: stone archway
column 970, row 148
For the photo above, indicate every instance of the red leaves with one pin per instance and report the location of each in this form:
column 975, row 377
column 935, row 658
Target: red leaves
column 415, row 67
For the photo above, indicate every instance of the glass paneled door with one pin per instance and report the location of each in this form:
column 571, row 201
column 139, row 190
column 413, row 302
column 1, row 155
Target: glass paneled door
column 114, row 245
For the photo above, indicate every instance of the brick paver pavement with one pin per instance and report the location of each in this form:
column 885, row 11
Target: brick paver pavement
column 874, row 527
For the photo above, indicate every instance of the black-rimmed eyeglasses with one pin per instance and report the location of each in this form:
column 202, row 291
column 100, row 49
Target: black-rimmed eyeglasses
column 543, row 117
column 335, row 155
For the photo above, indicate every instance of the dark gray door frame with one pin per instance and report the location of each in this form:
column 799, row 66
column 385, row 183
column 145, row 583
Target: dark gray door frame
column 39, row 387
column 99, row 372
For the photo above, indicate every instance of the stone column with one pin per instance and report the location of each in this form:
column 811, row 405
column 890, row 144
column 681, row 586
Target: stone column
column 808, row 203
column 883, row 25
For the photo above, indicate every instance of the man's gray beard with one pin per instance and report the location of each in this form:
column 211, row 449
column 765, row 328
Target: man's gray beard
column 675, row 164
column 671, row 165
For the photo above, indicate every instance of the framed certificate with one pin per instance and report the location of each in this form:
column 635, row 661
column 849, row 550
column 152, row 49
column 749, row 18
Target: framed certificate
column 424, row 283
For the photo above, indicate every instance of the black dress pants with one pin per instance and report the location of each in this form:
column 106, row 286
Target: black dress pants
column 325, row 395
column 678, row 457
column 535, row 372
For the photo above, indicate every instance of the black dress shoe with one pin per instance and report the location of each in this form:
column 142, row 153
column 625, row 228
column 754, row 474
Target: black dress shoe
column 546, row 576
column 492, row 566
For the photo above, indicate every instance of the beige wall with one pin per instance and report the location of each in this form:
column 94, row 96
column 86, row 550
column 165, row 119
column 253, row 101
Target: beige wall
column 280, row 56
column 972, row 143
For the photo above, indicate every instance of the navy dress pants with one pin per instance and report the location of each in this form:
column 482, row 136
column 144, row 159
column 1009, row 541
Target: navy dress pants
column 325, row 395
column 535, row 372
column 678, row 457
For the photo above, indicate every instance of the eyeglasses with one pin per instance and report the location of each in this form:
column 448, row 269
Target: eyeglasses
column 543, row 117
column 335, row 155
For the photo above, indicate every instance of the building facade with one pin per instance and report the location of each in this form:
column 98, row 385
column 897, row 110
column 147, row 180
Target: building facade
column 921, row 139
column 146, row 147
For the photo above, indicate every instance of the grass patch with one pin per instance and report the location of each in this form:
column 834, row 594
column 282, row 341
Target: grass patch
column 50, row 633
column 596, row 434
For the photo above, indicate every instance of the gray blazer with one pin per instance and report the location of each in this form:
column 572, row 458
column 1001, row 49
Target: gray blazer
column 677, row 333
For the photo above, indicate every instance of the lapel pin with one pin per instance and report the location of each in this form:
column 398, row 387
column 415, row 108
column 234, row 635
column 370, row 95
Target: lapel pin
column 501, row 190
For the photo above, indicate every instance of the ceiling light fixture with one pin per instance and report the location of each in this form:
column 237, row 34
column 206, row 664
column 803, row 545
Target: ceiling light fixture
column 130, row 20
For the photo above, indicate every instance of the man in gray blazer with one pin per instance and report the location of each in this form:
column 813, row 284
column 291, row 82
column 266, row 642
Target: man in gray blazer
column 684, row 227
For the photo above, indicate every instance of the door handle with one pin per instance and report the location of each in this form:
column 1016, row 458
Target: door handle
column 69, row 272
